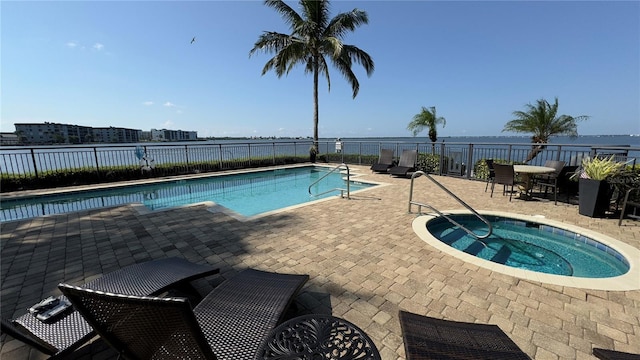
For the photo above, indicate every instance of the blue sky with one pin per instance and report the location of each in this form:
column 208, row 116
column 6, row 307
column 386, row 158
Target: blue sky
column 131, row 64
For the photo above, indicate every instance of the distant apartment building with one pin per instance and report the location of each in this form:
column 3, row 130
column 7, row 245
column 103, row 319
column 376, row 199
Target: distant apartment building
column 145, row 136
column 116, row 135
column 173, row 135
column 54, row 133
column 8, row 139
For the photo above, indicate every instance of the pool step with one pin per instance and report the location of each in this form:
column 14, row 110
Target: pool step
column 475, row 248
column 502, row 255
column 452, row 236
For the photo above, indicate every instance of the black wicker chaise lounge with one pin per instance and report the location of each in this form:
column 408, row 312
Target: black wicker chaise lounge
column 430, row 338
column 70, row 330
column 605, row 354
column 406, row 164
column 229, row 323
column 385, row 161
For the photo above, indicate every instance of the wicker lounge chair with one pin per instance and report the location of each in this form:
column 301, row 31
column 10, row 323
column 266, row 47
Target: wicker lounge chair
column 406, row 164
column 71, row 330
column 385, row 161
column 229, row 323
column 431, row 338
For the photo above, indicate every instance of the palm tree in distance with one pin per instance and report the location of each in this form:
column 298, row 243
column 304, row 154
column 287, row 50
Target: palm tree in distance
column 543, row 122
column 314, row 38
column 427, row 118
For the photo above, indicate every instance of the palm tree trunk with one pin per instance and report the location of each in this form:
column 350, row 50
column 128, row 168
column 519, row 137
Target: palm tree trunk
column 315, row 102
column 535, row 150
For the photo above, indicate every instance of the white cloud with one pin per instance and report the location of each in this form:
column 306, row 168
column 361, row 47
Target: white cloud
column 167, row 124
column 169, row 104
column 178, row 111
column 72, row 44
column 98, row 46
column 147, row 103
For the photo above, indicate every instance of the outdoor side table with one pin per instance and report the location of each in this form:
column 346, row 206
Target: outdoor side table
column 318, row 336
column 71, row 330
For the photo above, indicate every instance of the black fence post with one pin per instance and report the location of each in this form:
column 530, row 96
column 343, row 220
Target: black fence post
column 35, row 167
column 442, row 150
column 470, row 163
column 186, row 154
column 274, row 152
column 95, row 155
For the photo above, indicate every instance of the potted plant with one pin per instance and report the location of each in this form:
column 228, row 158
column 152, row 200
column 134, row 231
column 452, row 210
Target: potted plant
column 594, row 190
column 313, row 152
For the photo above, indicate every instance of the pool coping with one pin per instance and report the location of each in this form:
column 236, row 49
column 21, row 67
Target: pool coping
column 626, row 282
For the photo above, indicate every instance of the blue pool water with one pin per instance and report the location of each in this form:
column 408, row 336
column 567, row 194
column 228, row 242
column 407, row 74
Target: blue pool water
column 247, row 194
column 532, row 246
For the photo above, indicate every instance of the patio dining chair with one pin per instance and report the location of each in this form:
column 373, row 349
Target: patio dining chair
column 229, row 323
column 629, row 204
column 491, row 175
column 430, row 338
column 505, row 176
column 547, row 181
column 385, row 161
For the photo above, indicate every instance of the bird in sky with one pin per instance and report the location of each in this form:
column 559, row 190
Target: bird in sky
column 193, row 40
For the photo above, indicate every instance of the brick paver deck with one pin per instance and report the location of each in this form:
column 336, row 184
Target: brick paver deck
column 364, row 261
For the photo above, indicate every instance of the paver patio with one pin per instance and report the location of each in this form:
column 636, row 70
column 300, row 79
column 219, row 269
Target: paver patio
column 363, row 258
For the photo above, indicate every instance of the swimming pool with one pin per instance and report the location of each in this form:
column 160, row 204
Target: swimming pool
column 537, row 249
column 246, row 194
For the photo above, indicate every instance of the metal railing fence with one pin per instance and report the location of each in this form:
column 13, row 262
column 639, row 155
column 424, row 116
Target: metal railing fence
column 181, row 158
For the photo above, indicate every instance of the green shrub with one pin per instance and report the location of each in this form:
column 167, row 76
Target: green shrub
column 88, row 176
column 481, row 169
column 429, row 163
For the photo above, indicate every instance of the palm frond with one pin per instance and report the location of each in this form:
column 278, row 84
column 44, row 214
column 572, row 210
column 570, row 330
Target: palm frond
column 290, row 16
column 346, row 22
column 360, row 57
column 343, row 64
column 270, row 42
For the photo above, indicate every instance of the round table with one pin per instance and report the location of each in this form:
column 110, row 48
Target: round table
column 526, row 171
column 532, row 169
column 318, row 336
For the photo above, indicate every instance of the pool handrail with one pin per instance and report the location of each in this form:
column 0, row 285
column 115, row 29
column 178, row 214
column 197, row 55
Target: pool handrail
column 348, row 181
column 420, row 205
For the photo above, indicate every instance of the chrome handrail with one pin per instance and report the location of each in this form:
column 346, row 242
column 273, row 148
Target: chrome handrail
column 348, row 180
column 482, row 218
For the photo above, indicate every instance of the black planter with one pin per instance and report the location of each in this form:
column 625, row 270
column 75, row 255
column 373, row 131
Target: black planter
column 312, row 156
column 594, row 195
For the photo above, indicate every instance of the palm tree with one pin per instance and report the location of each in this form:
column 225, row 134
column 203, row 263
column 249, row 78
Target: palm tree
column 543, row 122
column 427, row 119
column 314, row 38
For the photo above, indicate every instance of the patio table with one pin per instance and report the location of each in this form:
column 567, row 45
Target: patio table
column 68, row 332
column 526, row 172
column 318, row 336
